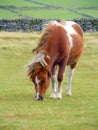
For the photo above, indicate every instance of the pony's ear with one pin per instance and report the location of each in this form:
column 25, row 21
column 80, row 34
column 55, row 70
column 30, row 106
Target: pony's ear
column 36, row 69
column 46, row 60
column 35, row 51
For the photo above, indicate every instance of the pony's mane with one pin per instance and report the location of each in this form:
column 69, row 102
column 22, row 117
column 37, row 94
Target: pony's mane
column 47, row 29
column 38, row 58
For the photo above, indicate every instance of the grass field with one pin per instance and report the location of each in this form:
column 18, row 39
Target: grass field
column 58, row 9
column 19, row 110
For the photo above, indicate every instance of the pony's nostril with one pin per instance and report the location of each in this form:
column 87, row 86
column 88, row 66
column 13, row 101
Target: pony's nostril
column 40, row 97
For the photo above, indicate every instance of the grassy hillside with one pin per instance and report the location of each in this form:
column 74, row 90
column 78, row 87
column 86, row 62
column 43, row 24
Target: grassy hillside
column 19, row 110
column 59, row 9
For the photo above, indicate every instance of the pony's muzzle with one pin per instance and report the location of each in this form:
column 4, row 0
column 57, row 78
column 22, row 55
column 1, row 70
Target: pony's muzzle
column 39, row 97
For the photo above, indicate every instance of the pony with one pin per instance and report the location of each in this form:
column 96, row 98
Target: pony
column 61, row 44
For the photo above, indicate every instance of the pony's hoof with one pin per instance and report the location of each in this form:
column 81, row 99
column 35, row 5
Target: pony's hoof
column 53, row 95
column 69, row 94
column 59, row 96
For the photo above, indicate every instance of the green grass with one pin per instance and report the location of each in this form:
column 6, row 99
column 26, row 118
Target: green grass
column 54, row 14
column 19, row 110
column 72, row 3
column 90, row 13
column 7, row 14
column 49, row 13
column 17, row 3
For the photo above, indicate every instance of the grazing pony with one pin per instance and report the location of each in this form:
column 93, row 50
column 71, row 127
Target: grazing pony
column 61, row 44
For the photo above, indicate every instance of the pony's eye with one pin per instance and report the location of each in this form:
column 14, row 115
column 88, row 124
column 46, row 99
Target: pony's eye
column 44, row 81
column 33, row 71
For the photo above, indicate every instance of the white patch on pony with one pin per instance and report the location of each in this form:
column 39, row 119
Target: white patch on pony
column 54, row 22
column 48, row 57
column 37, row 96
column 70, row 40
column 68, row 28
column 44, row 26
column 37, row 81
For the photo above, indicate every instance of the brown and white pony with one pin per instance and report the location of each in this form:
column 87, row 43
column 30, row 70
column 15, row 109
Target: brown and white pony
column 61, row 44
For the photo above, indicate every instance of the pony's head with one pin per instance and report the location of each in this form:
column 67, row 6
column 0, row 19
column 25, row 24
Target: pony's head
column 39, row 73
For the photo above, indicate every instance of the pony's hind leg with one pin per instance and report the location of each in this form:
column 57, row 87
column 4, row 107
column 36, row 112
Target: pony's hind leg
column 70, row 74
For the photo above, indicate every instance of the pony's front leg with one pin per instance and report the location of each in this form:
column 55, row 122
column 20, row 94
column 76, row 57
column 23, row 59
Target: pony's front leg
column 56, row 91
column 60, row 79
column 59, row 90
column 53, row 80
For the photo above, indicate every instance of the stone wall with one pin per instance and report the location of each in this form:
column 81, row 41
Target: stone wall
column 27, row 24
column 88, row 25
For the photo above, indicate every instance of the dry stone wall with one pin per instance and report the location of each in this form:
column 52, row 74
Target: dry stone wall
column 29, row 25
